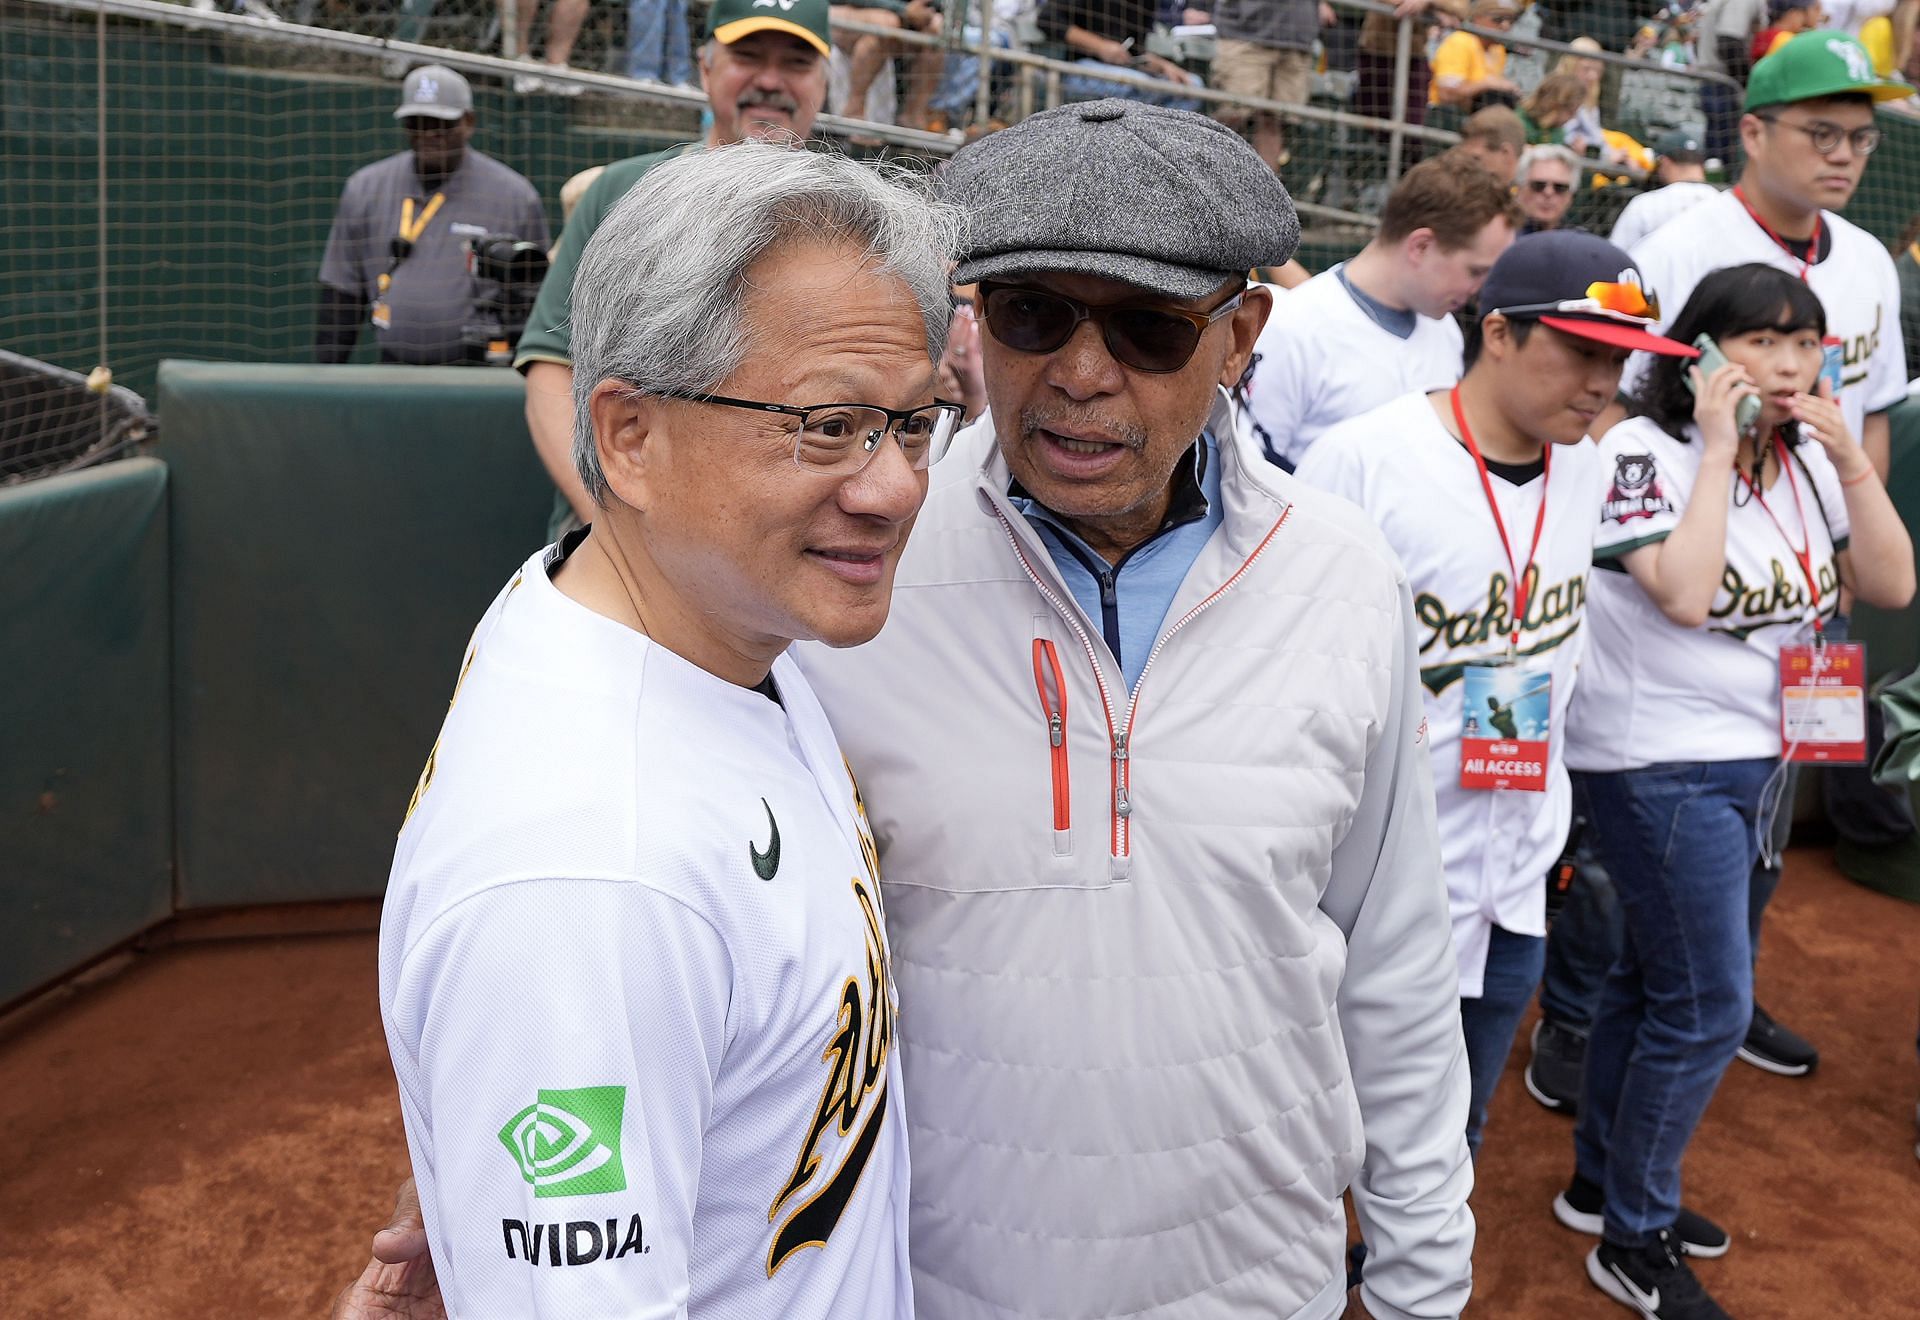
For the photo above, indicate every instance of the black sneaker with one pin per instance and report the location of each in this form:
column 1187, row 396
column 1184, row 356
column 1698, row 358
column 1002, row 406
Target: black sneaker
column 1652, row 1280
column 1582, row 1207
column 1773, row 1048
column 1553, row 1073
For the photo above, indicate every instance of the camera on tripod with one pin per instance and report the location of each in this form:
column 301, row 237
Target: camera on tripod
column 506, row 273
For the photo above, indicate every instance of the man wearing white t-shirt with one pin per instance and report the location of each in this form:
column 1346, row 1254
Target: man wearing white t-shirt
column 633, row 967
column 1486, row 492
column 1679, row 170
column 1380, row 324
column 1807, row 132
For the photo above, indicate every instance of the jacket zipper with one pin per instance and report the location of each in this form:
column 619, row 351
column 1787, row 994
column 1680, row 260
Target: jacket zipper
column 1046, row 660
column 1120, row 764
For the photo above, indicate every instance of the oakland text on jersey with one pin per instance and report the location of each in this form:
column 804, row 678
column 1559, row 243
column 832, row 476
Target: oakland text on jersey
column 1743, row 606
column 1858, row 350
column 576, row 1242
column 856, row 1079
column 1492, row 615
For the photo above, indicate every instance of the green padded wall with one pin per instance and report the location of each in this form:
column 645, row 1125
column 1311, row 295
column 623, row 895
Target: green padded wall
column 1893, row 636
column 85, row 798
column 337, row 532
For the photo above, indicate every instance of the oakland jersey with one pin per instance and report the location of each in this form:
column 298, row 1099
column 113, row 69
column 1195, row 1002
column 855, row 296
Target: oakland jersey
column 635, row 982
column 1422, row 488
column 1655, row 692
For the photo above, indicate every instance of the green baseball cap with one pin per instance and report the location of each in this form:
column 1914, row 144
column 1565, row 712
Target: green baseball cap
column 730, row 20
column 1816, row 64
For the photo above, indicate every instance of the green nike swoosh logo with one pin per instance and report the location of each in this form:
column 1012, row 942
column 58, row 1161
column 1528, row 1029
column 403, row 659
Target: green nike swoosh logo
column 768, row 862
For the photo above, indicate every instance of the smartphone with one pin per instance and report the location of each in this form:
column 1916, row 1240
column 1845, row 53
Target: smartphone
column 1747, row 411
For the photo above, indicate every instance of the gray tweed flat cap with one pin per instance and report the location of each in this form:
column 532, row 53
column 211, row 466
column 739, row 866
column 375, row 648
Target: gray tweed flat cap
column 1166, row 200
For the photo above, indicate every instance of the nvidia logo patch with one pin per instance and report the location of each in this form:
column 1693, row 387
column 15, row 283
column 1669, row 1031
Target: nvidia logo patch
column 567, row 1143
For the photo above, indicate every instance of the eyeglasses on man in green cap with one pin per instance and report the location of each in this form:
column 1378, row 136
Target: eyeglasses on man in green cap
column 1817, row 64
column 730, row 20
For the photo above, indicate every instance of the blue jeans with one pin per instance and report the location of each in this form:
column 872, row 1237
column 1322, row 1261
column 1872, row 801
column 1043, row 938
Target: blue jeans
column 1513, row 970
column 1087, row 85
column 1678, row 841
column 657, row 45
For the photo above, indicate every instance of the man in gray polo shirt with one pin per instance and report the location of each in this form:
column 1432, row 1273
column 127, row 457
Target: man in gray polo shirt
column 397, row 256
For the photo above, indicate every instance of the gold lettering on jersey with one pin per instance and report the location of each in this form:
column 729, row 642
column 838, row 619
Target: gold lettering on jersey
column 1492, row 616
column 1743, row 606
column 433, row 753
column 856, row 1058
column 1859, row 349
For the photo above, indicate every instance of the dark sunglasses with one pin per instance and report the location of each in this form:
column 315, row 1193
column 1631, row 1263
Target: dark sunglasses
column 1548, row 185
column 1148, row 337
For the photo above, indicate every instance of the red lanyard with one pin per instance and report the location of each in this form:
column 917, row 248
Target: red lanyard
column 1813, row 243
column 1804, row 551
column 1519, row 575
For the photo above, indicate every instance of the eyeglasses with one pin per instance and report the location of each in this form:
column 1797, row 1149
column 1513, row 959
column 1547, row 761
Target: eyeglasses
column 838, row 439
column 1549, row 185
column 1621, row 300
column 1827, row 137
column 1147, row 337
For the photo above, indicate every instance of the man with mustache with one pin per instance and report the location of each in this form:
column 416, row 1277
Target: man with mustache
column 1144, row 755
column 764, row 68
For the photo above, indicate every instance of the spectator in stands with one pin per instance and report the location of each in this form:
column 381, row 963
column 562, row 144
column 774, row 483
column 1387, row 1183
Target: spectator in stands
column 1374, row 60
column 1380, row 324
column 1680, row 176
column 1724, row 547
column 867, row 54
column 1110, row 36
column 396, row 255
column 1545, row 180
column 1907, row 263
column 1264, row 49
column 765, row 74
column 1468, row 70
column 1449, row 475
column 1722, row 44
column 1807, row 134
column 1493, row 138
column 1583, row 132
column 1549, row 108
column 1785, row 20
column 658, row 46
column 563, row 29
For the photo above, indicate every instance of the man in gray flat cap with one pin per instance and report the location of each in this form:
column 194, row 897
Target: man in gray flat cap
column 1143, row 751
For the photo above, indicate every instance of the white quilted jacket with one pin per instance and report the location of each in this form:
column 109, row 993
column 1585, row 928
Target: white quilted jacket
column 1174, row 969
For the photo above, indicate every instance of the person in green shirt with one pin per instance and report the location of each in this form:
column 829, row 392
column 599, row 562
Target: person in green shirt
column 764, row 70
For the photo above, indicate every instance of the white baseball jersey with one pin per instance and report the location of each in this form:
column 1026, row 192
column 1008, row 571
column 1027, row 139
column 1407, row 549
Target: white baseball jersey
column 1653, row 692
column 1856, row 282
column 1322, row 359
column 636, row 988
column 1650, row 210
column 1423, row 490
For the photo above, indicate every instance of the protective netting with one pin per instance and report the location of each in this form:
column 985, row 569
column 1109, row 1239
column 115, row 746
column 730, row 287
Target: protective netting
column 53, row 420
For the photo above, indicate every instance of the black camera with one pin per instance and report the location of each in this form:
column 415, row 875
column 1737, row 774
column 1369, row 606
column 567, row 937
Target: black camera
column 506, row 273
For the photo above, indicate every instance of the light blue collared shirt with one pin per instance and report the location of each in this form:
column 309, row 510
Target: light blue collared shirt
column 1130, row 599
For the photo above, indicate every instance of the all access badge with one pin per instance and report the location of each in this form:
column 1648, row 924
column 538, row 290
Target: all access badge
column 1504, row 715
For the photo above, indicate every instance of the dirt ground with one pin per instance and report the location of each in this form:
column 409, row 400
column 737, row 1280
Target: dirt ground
column 214, row 1132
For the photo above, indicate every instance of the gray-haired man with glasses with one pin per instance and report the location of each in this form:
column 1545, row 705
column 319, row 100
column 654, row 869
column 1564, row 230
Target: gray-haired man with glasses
column 633, row 968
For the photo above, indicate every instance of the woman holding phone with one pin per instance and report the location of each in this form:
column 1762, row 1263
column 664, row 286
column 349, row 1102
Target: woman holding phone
column 1727, row 533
